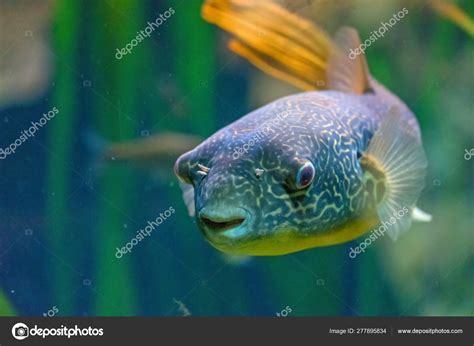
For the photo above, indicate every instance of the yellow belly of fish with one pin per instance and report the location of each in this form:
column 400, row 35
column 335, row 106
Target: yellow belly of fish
column 286, row 242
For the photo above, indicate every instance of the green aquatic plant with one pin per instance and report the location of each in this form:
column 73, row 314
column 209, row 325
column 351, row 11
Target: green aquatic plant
column 6, row 307
column 63, row 279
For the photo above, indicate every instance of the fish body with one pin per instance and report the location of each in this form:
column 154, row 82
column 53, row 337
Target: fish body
column 313, row 169
column 331, row 129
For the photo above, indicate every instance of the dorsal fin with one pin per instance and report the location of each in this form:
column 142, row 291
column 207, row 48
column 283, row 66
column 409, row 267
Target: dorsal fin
column 347, row 70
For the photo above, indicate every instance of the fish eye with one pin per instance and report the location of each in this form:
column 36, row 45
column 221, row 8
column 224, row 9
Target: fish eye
column 304, row 175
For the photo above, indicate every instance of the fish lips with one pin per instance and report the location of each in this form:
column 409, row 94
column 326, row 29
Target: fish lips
column 225, row 227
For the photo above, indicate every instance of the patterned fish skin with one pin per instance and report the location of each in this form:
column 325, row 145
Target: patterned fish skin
column 329, row 128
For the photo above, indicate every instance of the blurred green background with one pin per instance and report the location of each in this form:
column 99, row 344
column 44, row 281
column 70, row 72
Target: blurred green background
column 63, row 212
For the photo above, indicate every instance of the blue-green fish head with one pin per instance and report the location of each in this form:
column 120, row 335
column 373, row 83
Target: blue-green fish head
column 279, row 180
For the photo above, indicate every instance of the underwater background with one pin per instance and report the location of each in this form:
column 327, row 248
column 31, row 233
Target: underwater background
column 64, row 211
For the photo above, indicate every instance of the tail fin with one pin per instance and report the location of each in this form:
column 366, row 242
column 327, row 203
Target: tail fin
column 284, row 45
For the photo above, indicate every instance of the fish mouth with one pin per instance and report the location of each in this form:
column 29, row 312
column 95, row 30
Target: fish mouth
column 219, row 221
column 221, row 225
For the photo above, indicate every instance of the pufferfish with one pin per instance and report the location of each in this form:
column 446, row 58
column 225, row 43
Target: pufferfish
column 308, row 170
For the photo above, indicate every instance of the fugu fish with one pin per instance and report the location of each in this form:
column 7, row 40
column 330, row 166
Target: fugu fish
column 313, row 169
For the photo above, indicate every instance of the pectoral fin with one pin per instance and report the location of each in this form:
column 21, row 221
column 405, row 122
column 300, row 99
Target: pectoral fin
column 395, row 158
column 188, row 196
